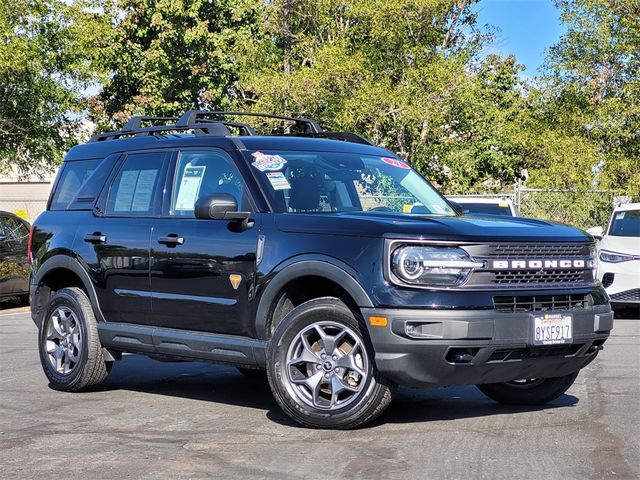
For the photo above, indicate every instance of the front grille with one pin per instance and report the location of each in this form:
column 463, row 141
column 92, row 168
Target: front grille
column 515, row 354
column 530, row 255
column 509, row 277
column 627, row 296
column 540, row 303
column 539, row 250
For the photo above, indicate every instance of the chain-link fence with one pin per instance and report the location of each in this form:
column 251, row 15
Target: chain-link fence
column 580, row 208
column 27, row 208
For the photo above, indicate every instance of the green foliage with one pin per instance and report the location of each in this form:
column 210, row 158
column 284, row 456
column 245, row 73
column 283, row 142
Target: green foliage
column 47, row 50
column 168, row 56
column 591, row 109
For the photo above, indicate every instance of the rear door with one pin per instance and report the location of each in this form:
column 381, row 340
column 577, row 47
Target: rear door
column 114, row 239
column 202, row 271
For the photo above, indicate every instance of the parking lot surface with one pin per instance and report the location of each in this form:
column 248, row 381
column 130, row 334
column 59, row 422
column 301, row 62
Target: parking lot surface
column 187, row 420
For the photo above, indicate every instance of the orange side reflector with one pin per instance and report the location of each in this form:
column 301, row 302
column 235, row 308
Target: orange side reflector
column 378, row 321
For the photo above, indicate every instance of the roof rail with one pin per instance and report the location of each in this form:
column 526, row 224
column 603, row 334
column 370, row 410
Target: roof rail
column 194, row 116
column 207, row 122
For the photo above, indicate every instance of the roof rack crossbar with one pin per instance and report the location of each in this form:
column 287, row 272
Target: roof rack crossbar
column 135, row 122
column 194, row 116
column 210, row 128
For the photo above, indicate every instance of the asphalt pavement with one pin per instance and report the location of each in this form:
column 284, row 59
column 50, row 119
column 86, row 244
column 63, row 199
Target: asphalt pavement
column 187, row 420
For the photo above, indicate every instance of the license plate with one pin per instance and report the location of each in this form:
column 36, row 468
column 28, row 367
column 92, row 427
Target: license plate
column 552, row 329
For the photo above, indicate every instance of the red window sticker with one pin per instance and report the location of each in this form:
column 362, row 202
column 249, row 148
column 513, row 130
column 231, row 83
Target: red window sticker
column 396, row 163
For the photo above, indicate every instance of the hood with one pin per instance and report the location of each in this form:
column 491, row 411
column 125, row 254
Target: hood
column 630, row 245
column 463, row 228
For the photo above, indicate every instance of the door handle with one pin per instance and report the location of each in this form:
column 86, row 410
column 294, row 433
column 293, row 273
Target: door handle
column 171, row 240
column 95, row 237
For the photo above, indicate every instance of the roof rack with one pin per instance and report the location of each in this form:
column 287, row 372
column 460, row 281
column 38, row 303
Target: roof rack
column 208, row 122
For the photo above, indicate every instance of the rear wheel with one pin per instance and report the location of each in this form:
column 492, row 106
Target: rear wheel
column 70, row 350
column 531, row 391
column 321, row 370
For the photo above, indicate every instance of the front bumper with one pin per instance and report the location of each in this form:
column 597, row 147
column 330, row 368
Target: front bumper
column 460, row 347
column 623, row 280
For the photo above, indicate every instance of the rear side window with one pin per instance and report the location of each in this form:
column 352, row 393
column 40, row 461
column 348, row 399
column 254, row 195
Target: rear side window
column 137, row 189
column 72, row 177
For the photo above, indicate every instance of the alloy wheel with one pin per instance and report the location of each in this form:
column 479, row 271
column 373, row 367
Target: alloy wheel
column 63, row 342
column 327, row 365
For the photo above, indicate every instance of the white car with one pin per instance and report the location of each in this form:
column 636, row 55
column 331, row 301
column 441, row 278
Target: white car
column 485, row 205
column 619, row 254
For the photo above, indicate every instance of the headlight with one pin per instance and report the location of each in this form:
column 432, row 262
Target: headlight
column 432, row 266
column 613, row 257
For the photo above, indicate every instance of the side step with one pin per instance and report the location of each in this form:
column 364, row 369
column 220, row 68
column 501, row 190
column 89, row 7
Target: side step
column 186, row 345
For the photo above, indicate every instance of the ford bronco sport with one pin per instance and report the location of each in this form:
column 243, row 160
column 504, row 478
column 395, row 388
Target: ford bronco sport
column 296, row 253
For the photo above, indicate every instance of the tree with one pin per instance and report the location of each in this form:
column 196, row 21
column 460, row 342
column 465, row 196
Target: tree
column 167, row 56
column 592, row 98
column 46, row 61
column 404, row 73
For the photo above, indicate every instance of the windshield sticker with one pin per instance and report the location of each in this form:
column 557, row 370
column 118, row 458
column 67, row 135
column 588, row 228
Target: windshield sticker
column 268, row 163
column 396, row 163
column 278, row 181
column 620, row 216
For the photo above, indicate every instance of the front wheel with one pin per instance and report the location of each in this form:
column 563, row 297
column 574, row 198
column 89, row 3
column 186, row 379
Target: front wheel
column 321, row 369
column 530, row 391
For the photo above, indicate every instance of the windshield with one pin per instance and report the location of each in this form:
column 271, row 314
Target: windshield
column 314, row 182
column 486, row 208
column 625, row 224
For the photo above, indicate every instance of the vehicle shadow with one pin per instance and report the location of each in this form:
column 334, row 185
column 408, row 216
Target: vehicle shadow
column 224, row 384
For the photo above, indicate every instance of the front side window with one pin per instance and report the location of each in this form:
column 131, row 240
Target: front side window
column 199, row 173
column 625, row 224
column 312, row 182
column 137, row 188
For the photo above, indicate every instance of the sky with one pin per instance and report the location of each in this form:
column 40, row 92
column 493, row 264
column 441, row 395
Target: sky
column 526, row 29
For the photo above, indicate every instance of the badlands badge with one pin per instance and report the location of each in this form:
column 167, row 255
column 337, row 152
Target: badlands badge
column 235, row 280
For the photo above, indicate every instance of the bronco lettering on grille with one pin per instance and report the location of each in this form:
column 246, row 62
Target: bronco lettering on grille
column 536, row 264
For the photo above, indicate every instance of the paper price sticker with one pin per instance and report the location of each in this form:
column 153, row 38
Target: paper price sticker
column 278, row 181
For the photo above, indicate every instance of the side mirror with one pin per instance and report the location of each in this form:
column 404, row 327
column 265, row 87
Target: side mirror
column 596, row 232
column 219, row 206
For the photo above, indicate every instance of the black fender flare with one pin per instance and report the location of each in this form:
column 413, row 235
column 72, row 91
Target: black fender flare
column 67, row 262
column 303, row 268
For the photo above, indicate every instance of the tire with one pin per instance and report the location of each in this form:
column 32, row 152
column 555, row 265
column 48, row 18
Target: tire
column 252, row 373
column 349, row 392
column 70, row 350
column 528, row 392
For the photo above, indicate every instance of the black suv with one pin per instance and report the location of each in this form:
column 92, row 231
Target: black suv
column 297, row 253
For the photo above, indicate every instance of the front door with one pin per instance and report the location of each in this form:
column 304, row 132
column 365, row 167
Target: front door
column 202, row 271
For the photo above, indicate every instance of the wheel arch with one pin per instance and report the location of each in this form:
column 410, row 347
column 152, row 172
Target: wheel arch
column 335, row 276
column 60, row 272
